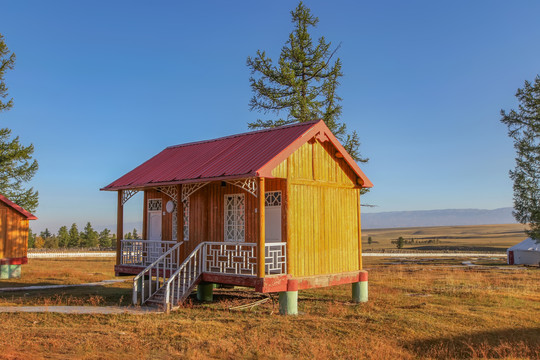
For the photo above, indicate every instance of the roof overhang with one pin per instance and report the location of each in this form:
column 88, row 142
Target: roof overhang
column 17, row 208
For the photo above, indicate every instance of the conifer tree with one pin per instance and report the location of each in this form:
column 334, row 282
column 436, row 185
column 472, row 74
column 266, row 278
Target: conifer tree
column 16, row 165
column 135, row 234
column 524, row 128
column 31, row 239
column 63, row 237
column 74, row 237
column 89, row 237
column 303, row 84
column 105, row 238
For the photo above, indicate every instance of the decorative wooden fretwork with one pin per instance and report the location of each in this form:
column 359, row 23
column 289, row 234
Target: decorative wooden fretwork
column 170, row 191
column 174, row 224
column 154, row 205
column 234, row 218
column 128, row 194
column 188, row 189
column 230, row 258
column 186, row 219
column 249, row 185
column 275, row 259
column 272, row 198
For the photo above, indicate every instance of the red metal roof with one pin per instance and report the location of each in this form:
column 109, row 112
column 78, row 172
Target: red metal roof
column 251, row 154
column 16, row 207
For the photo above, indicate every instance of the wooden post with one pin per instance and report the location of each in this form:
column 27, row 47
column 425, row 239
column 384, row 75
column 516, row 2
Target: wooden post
column 180, row 222
column 145, row 216
column 359, row 234
column 119, row 226
column 261, row 240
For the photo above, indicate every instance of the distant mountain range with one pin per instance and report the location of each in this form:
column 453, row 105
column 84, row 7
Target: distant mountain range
column 449, row 217
column 394, row 219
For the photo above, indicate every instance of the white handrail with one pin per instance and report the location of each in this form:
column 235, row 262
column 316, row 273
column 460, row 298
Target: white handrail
column 165, row 263
column 185, row 278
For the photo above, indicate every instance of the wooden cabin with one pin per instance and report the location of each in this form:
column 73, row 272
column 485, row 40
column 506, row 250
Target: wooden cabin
column 13, row 238
column 275, row 209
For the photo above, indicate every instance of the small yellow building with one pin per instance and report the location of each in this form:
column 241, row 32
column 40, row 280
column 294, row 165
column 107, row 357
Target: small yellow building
column 276, row 209
column 13, row 238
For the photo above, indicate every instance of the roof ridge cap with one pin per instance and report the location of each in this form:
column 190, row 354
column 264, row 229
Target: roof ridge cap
column 305, row 123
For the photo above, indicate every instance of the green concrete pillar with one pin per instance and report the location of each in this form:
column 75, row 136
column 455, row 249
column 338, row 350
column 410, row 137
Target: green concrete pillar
column 14, row 271
column 288, row 302
column 10, row 271
column 205, row 292
column 4, row 271
column 360, row 289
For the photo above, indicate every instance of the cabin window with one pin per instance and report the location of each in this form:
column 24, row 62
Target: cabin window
column 273, row 198
column 235, row 217
column 186, row 219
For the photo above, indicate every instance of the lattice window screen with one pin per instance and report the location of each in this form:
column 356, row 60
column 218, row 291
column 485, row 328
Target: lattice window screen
column 235, row 218
column 272, row 198
column 186, row 219
column 174, row 224
column 154, row 204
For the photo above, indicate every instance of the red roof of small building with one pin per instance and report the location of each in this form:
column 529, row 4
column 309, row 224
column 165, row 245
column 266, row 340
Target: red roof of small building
column 17, row 208
column 251, row 154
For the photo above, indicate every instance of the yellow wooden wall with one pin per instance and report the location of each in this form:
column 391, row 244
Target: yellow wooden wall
column 323, row 211
column 13, row 233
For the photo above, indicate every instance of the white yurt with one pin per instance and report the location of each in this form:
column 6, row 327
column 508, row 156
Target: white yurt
column 526, row 252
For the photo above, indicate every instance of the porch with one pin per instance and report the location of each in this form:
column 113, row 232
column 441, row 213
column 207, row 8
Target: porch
column 227, row 258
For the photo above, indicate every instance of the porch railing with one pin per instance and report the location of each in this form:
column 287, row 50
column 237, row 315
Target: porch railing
column 241, row 258
column 152, row 278
column 143, row 252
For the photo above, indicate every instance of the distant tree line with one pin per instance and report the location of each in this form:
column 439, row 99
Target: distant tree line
column 400, row 241
column 72, row 238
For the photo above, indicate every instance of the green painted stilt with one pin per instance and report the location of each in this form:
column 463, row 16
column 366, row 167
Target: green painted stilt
column 205, row 292
column 360, row 289
column 288, row 300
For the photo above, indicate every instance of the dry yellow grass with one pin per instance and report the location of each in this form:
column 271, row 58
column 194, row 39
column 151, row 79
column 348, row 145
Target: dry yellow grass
column 478, row 237
column 415, row 311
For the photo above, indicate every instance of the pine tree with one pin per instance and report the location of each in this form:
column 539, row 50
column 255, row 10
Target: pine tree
column 45, row 234
column 303, row 84
column 105, row 238
column 524, row 129
column 89, row 237
column 63, row 237
column 74, row 237
column 7, row 62
column 399, row 243
column 31, row 239
column 16, row 165
column 135, row 234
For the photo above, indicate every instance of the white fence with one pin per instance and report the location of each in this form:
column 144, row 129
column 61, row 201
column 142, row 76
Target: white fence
column 52, row 255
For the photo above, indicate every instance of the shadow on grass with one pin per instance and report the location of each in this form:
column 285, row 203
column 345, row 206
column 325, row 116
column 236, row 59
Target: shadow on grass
column 514, row 343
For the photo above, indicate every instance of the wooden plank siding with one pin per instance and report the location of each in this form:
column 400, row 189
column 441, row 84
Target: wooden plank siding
column 13, row 233
column 322, row 211
column 206, row 213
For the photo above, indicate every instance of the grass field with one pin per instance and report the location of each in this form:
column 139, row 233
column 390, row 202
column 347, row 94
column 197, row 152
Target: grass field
column 416, row 310
column 462, row 238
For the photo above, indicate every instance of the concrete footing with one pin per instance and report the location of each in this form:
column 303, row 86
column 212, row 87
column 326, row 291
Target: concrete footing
column 360, row 291
column 205, row 292
column 10, row 271
column 288, row 302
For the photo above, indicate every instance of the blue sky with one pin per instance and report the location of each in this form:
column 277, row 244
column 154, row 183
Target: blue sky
column 101, row 86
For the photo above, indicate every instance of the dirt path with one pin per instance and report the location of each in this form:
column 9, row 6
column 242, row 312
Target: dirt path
column 44, row 287
column 79, row 309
